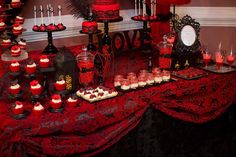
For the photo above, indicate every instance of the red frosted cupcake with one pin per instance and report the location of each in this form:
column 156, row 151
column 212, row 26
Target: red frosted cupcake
column 30, row 68
column 72, row 101
column 15, row 88
column 17, row 29
column 38, row 109
column 15, row 51
column 22, row 44
column 6, row 43
column 44, row 61
column 35, row 87
column 15, row 66
column 18, row 108
column 15, row 3
column 20, row 20
column 60, row 85
column 56, row 101
column 2, row 26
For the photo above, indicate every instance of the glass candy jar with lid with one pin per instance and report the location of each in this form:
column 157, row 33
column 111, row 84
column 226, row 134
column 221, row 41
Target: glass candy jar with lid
column 165, row 49
column 85, row 64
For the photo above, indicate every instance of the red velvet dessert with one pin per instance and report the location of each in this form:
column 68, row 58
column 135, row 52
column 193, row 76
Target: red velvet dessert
column 6, row 43
column 15, row 66
column 15, row 51
column 22, row 44
column 20, row 20
column 106, row 10
column 30, row 68
column 35, row 87
column 17, row 29
column 18, row 108
column 44, row 61
column 89, row 26
column 38, row 109
column 72, row 101
column 60, row 85
column 15, row 3
column 56, row 101
column 2, row 26
column 14, row 89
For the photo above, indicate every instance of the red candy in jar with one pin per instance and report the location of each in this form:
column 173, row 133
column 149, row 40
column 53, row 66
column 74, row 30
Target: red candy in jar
column 85, row 63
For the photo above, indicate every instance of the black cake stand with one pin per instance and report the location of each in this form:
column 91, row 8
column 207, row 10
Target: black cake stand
column 91, row 46
column 50, row 48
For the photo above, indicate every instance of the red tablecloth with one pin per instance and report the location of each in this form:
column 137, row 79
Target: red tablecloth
column 91, row 128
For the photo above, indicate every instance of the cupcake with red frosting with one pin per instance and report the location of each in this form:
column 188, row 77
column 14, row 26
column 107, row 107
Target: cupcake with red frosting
column 60, row 85
column 20, row 20
column 17, row 29
column 44, row 61
column 15, row 88
column 15, row 51
column 22, row 44
column 2, row 25
column 56, row 101
column 30, row 68
column 35, row 87
column 15, row 66
column 18, row 108
column 15, row 3
column 38, row 109
column 6, row 43
column 72, row 101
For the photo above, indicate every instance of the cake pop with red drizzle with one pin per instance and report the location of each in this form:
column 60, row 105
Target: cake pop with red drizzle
column 60, row 26
column 36, row 28
column 42, row 28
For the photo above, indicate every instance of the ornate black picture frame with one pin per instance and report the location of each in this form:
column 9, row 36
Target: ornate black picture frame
column 187, row 46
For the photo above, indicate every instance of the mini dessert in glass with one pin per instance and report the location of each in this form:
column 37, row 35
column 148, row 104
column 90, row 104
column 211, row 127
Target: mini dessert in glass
column 30, row 67
column 60, row 26
column 18, row 108
column 15, row 88
column 219, row 60
column 44, row 61
column 35, row 87
column 158, row 78
column 131, row 75
column 15, row 51
column 156, row 70
column 142, row 81
column 14, row 66
column 118, row 80
column 72, row 101
column 165, row 75
column 60, row 85
column 125, row 85
column 56, row 101
column 134, row 83
column 230, row 59
column 38, row 109
column 206, row 58
column 150, row 79
column 6, row 43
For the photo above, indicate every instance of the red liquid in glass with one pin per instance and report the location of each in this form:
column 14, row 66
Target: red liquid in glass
column 86, row 77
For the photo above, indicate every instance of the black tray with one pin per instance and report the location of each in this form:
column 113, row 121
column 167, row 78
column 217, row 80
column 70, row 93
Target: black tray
column 146, row 86
column 188, row 78
column 224, row 68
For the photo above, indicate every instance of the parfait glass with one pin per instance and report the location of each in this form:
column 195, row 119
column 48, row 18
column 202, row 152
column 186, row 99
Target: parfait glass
column 230, row 60
column 219, row 60
column 206, row 59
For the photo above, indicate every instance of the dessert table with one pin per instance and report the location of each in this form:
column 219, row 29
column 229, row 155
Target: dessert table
column 91, row 128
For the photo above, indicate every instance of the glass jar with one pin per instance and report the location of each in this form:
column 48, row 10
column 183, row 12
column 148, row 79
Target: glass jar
column 165, row 50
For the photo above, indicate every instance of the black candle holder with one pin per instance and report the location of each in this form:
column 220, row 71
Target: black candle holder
column 50, row 48
column 91, row 46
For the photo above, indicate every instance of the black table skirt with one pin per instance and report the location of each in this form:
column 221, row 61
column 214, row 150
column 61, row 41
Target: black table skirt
column 161, row 136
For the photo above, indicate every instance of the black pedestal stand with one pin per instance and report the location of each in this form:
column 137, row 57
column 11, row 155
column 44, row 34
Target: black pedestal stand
column 146, row 40
column 50, row 48
column 91, row 46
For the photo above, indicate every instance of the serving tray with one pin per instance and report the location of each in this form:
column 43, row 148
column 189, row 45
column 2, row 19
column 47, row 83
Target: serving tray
column 189, row 74
column 225, row 68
